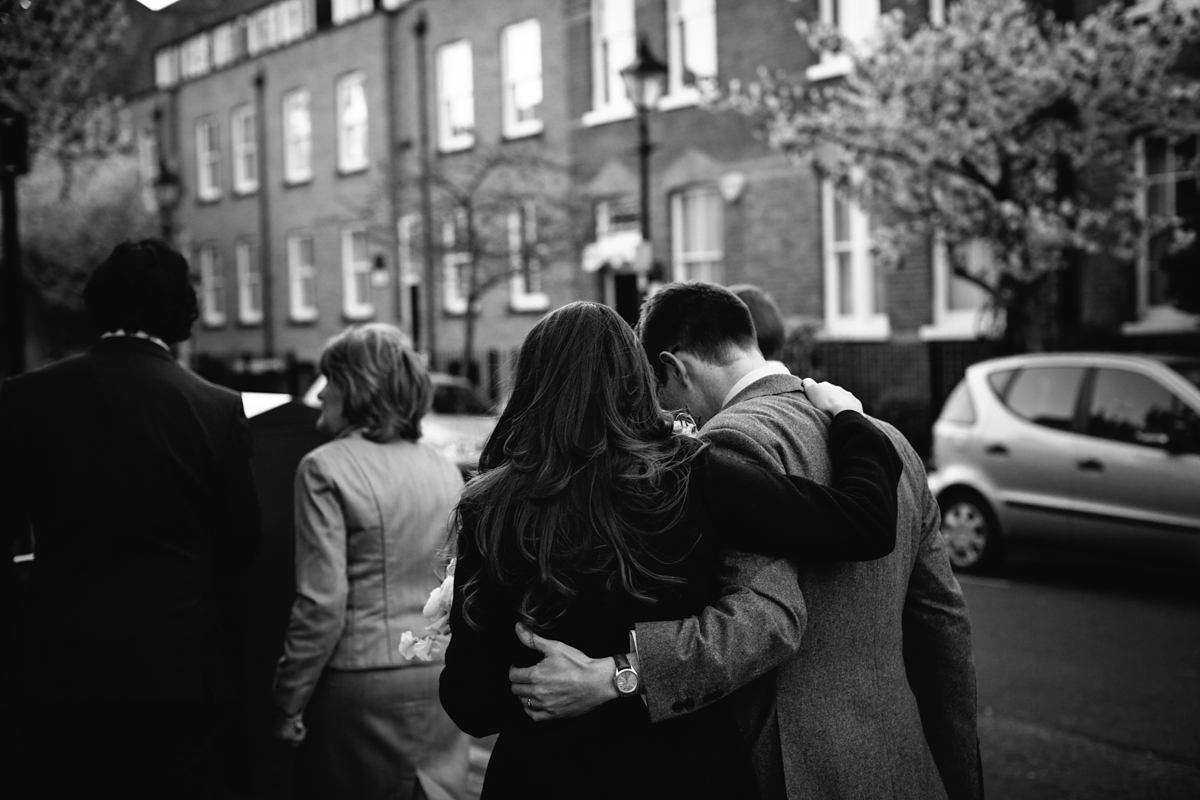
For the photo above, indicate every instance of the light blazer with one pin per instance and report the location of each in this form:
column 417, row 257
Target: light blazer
column 875, row 687
column 370, row 520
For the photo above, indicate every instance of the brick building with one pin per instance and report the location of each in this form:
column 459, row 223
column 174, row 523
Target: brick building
column 296, row 127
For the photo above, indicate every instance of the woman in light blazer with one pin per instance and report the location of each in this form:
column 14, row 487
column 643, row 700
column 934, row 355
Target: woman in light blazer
column 372, row 509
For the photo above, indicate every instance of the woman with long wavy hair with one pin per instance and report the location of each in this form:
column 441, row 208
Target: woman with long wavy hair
column 591, row 514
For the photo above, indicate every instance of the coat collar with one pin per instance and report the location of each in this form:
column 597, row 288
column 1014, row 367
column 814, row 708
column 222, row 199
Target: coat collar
column 771, row 384
column 131, row 344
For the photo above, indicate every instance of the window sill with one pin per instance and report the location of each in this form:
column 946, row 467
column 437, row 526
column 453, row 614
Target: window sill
column 964, row 327
column 528, row 303
column 1162, row 319
column 293, row 183
column 874, row 329
column 456, row 145
column 250, row 322
column 358, row 314
column 838, row 66
column 208, row 200
column 686, row 97
column 307, row 318
column 607, row 114
column 525, row 131
column 346, row 172
column 213, row 323
column 247, row 191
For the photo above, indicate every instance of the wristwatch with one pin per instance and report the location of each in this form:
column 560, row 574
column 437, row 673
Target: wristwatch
column 625, row 678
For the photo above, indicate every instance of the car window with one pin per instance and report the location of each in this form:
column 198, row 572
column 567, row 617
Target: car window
column 958, row 407
column 999, row 381
column 1131, row 407
column 1046, row 395
column 451, row 399
column 1188, row 369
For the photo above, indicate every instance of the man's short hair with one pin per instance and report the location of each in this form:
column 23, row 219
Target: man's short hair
column 143, row 286
column 768, row 322
column 703, row 319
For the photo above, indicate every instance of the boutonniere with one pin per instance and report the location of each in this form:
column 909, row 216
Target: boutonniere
column 437, row 614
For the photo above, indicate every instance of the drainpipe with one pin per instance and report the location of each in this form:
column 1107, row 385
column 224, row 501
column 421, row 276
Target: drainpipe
column 393, row 163
column 429, row 288
column 264, row 215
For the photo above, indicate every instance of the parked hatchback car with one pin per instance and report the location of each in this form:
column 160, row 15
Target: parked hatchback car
column 458, row 424
column 1081, row 448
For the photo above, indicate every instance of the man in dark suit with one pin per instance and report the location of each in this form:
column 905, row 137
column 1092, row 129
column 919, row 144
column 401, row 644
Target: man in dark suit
column 134, row 476
column 852, row 681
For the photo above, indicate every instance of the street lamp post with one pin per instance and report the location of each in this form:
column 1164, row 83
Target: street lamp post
column 644, row 80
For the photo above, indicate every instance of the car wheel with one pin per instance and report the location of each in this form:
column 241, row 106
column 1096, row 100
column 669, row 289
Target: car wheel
column 970, row 531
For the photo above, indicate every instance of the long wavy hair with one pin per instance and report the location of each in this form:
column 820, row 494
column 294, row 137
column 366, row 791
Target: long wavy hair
column 580, row 475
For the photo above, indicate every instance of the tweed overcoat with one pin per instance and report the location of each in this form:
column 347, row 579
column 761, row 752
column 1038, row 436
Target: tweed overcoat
column 874, row 689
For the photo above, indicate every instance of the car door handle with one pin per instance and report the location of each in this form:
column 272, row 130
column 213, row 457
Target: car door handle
column 1090, row 465
column 996, row 450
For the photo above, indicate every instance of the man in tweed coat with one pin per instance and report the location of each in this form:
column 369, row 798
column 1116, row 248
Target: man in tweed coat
column 849, row 680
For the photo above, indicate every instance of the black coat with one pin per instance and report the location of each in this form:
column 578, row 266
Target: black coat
column 135, row 477
column 614, row 751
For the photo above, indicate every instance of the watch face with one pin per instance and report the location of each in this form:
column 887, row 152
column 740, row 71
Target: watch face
column 627, row 681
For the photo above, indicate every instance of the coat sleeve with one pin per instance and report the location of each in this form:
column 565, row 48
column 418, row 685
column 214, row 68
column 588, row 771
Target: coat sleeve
column 755, row 625
column 322, row 586
column 939, row 664
column 786, row 515
column 14, row 516
column 474, row 688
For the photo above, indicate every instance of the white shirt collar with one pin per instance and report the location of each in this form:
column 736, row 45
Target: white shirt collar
column 136, row 335
column 770, row 368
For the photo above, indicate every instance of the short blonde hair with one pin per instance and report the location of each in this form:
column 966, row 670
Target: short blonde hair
column 386, row 386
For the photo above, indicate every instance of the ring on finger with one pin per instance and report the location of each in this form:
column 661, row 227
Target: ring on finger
column 528, row 703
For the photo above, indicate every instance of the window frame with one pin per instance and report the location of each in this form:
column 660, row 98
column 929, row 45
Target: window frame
column 1154, row 317
column 952, row 323
column 347, row 161
column 609, row 104
column 212, row 286
column 208, row 160
column 249, row 282
column 512, row 126
column 448, row 140
column 356, row 308
column 525, row 261
column 830, row 12
column 679, row 92
column 344, row 11
column 455, row 258
column 166, row 67
column 683, row 259
column 295, row 173
column 859, row 323
column 298, row 274
column 409, row 267
column 244, row 150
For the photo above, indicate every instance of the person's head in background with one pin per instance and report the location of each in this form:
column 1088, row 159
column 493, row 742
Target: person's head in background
column 376, row 383
column 768, row 322
column 143, row 287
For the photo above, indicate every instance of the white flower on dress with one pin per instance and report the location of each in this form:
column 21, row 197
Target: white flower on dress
column 437, row 614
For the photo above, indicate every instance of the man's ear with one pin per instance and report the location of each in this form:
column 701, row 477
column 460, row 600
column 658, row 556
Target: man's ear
column 674, row 366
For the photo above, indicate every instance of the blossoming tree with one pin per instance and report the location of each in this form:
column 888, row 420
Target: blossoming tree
column 1004, row 126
